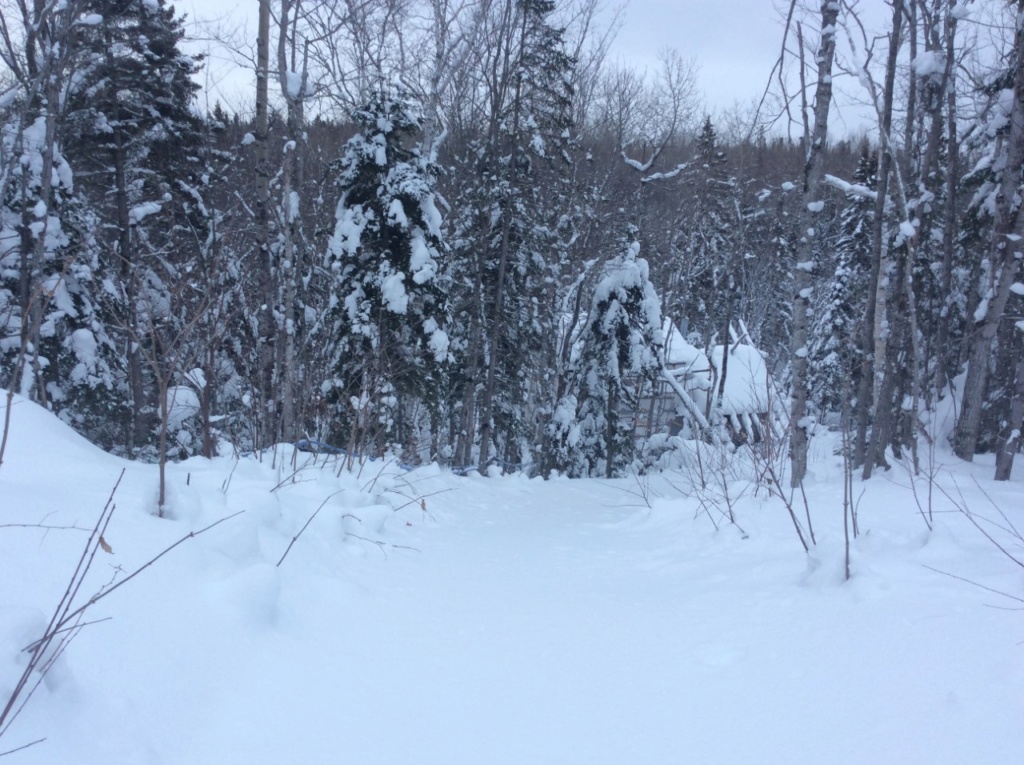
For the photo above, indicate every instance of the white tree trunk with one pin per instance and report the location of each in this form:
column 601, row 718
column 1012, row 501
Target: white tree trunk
column 813, row 186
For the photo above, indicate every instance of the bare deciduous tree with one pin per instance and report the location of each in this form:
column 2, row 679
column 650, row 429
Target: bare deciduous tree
column 814, row 171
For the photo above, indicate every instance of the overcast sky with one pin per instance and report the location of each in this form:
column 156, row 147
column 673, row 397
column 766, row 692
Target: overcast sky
column 735, row 42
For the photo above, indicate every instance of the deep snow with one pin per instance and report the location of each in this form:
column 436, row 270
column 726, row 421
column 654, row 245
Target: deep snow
column 506, row 620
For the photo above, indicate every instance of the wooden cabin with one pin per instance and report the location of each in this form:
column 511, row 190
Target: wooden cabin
column 741, row 404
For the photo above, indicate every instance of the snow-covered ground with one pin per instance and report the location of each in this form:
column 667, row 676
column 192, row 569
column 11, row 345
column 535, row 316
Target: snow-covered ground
column 431, row 619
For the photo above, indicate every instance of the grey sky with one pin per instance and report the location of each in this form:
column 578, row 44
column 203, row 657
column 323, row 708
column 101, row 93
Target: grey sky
column 734, row 42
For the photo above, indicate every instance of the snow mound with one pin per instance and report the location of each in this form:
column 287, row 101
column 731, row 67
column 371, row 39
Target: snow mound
column 39, row 443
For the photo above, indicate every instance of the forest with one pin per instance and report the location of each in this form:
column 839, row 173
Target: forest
column 454, row 231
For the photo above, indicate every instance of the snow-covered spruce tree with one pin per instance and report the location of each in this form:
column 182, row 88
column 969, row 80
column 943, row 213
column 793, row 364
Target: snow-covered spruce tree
column 501, row 248
column 128, row 113
column 620, row 352
column 35, row 183
column 81, row 377
column 54, row 346
column 34, row 248
column 711, row 271
column 833, row 371
column 582, row 232
column 509, row 239
column 770, row 314
column 388, row 347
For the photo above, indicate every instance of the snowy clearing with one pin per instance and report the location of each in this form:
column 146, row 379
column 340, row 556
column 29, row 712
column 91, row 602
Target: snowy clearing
column 510, row 621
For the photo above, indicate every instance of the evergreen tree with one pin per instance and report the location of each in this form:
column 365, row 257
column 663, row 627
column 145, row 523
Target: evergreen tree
column 82, row 382
column 711, row 272
column 832, row 363
column 128, row 114
column 508, row 239
column 388, row 313
column 620, row 351
column 36, row 183
column 35, row 250
column 770, row 313
column 999, row 179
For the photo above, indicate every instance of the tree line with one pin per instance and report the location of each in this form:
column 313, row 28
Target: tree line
column 453, row 229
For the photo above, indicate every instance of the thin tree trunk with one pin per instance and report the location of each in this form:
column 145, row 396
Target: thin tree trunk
column 868, row 391
column 886, row 405
column 806, row 247
column 294, row 179
column 136, row 431
column 206, row 400
column 266, row 415
column 927, row 186
column 726, row 345
column 38, row 305
column 286, row 330
column 1009, row 441
column 161, row 502
column 497, row 325
column 950, row 220
column 902, row 305
column 910, row 12
column 487, row 403
column 610, row 417
column 467, row 421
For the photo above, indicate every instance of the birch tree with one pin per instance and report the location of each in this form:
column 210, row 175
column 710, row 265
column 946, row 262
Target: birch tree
column 815, row 146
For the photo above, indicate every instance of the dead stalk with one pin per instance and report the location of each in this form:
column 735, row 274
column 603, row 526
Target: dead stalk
column 66, row 620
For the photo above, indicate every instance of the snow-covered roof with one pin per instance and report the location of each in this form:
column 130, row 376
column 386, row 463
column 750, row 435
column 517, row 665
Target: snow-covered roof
column 746, row 379
column 680, row 354
column 746, row 376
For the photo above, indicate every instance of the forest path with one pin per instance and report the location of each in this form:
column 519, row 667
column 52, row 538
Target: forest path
column 552, row 623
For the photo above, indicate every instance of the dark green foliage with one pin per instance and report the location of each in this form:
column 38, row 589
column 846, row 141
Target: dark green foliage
column 710, row 267
column 619, row 353
column 136, row 143
column 833, row 364
column 388, row 309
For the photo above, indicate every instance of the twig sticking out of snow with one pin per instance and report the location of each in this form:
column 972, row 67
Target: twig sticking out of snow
column 67, row 619
column 306, row 525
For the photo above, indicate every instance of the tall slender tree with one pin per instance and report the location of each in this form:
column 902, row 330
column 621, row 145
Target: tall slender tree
column 807, row 246
column 834, row 366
